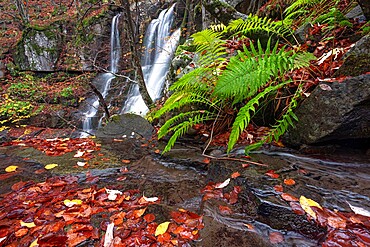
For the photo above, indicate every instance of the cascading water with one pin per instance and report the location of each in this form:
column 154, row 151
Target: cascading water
column 103, row 81
column 160, row 46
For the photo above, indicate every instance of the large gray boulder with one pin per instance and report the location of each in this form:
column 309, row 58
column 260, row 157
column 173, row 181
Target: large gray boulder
column 126, row 125
column 356, row 60
column 333, row 111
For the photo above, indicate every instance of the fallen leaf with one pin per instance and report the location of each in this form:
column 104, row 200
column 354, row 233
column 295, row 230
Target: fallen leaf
column 112, row 194
column 289, row 181
column 206, row 160
column 34, row 243
column 245, row 165
column 235, row 175
column 272, row 174
column 108, row 239
column 157, row 151
column 125, row 161
column 358, row 210
column 11, row 168
column 276, row 237
column 150, row 199
column 80, row 163
column 29, row 225
column 278, row 188
column 307, row 203
column 224, row 209
column 79, row 154
column 223, row 185
column 50, row 166
column 21, row 232
column 161, row 228
column 289, row 198
column 70, row 203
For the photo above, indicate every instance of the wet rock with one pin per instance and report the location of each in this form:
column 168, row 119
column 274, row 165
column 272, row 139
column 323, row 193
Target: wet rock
column 246, row 7
column 356, row 13
column 356, row 60
column 284, row 219
column 126, row 125
column 335, row 111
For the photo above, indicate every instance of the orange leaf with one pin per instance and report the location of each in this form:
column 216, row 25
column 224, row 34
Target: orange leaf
column 278, row 188
column 245, row 165
column 289, row 181
column 149, row 218
column 235, row 175
column 289, row 198
column 125, row 161
column 272, row 174
column 139, row 212
column 207, row 160
column 224, row 209
column 157, row 151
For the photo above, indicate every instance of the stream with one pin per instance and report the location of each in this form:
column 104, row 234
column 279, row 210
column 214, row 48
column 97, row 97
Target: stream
column 179, row 177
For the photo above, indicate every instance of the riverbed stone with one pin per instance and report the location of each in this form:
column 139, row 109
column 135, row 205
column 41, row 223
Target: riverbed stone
column 356, row 60
column 126, row 125
column 334, row 111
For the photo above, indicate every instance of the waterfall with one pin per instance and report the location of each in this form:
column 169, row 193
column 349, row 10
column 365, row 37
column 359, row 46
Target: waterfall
column 103, row 81
column 160, row 45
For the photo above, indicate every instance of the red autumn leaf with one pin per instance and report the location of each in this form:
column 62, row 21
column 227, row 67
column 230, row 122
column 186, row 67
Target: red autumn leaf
column 297, row 209
column 235, row 175
column 272, row 174
column 206, row 160
column 20, row 185
column 224, row 209
column 289, row 198
column 276, row 237
column 245, row 165
column 21, row 232
column 278, row 188
column 139, row 212
column 121, row 178
column 125, row 161
column 149, row 218
column 157, row 151
column 289, row 181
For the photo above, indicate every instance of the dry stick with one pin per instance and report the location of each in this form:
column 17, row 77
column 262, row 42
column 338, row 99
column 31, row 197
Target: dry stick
column 101, row 99
column 235, row 159
column 225, row 158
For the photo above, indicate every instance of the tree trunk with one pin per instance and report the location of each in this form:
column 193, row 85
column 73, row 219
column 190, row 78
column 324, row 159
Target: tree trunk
column 135, row 56
column 365, row 5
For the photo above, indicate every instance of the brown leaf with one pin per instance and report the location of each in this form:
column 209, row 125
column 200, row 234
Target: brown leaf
column 289, row 198
column 276, row 237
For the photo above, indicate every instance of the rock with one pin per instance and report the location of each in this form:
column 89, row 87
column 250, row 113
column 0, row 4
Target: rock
column 246, row 7
column 333, row 112
column 39, row 49
column 356, row 13
column 124, row 126
column 356, row 60
column 365, row 5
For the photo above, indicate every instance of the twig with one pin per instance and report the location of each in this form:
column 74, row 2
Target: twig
column 235, row 159
column 211, row 136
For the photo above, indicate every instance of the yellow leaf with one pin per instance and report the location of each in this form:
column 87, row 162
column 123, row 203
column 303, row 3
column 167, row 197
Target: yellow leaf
column 161, row 228
column 34, row 243
column 306, row 204
column 50, row 166
column 11, row 168
column 29, row 225
column 70, row 203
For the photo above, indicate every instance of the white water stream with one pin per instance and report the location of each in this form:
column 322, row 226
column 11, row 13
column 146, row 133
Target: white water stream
column 103, row 81
column 160, row 44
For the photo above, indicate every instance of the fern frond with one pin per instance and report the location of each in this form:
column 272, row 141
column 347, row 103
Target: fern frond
column 181, row 128
column 218, row 27
column 245, row 114
column 194, row 80
column 210, row 46
column 247, row 72
column 300, row 4
column 282, row 124
column 254, row 24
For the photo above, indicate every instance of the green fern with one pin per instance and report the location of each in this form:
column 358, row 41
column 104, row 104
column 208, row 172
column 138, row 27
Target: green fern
column 298, row 6
column 244, row 115
column 281, row 125
column 254, row 24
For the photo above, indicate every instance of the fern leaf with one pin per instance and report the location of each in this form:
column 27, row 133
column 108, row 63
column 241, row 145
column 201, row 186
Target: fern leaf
column 245, row 114
column 300, row 4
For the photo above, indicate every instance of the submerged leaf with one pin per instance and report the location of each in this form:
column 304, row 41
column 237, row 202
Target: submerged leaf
column 223, row 185
column 306, row 204
column 358, row 210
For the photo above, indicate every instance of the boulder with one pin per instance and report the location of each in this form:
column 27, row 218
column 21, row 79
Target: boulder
column 334, row 111
column 39, row 49
column 356, row 60
column 126, row 125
